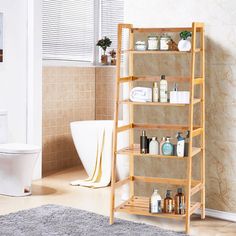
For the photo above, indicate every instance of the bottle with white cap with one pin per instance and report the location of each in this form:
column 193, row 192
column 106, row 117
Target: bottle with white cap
column 155, row 203
column 154, row 146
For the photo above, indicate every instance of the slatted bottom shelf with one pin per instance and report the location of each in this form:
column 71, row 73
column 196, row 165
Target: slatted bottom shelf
column 140, row 206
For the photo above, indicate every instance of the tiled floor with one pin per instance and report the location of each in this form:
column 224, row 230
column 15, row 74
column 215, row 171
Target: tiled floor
column 55, row 189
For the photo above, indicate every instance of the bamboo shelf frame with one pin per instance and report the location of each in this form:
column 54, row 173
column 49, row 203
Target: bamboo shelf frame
column 137, row 204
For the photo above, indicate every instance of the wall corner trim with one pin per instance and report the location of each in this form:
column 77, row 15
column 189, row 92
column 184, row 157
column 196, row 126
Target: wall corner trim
column 223, row 215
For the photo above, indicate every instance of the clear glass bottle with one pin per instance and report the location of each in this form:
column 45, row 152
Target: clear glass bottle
column 155, row 203
column 154, row 146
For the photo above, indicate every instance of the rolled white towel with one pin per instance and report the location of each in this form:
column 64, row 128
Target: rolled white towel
column 141, row 94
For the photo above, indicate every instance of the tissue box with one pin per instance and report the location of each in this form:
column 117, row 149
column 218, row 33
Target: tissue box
column 181, row 97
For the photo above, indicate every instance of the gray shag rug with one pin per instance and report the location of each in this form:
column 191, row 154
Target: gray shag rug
column 54, row 220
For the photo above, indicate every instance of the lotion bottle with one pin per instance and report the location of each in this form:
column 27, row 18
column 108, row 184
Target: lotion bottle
column 155, row 93
column 180, row 145
column 154, row 146
column 155, row 203
column 163, row 140
column 163, row 89
column 167, row 148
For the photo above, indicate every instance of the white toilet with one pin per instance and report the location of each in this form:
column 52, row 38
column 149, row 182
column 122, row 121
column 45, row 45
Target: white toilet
column 17, row 163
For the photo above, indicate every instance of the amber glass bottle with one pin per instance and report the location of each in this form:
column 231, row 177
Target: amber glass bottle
column 168, row 202
column 179, row 202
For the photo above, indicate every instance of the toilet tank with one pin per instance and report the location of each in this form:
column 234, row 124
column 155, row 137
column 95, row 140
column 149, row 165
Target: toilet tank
column 3, row 126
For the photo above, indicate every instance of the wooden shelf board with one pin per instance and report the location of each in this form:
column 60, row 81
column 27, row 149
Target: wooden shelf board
column 162, row 126
column 173, row 181
column 196, row 185
column 127, row 101
column 135, row 151
column 159, row 51
column 170, row 79
column 161, row 30
column 138, row 205
column 179, row 79
column 164, row 30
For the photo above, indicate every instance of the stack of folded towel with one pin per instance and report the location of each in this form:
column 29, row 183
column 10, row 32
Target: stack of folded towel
column 141, row 94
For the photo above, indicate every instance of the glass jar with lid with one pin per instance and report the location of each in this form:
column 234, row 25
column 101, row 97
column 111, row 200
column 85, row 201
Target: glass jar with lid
column 164, row 40
column 140, row 46
column 152, row 43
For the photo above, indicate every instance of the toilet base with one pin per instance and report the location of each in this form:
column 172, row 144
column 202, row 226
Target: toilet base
column 20, row 195
column 16, row 170
column 24, row 193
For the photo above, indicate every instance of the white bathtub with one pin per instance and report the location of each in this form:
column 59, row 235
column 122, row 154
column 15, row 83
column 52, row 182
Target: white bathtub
column 85, row 135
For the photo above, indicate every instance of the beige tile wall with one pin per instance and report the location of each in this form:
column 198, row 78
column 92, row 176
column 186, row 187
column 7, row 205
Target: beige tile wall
column 105, row 92
column 68, row 95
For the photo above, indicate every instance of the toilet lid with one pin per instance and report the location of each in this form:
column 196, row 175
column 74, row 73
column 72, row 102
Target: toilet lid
column 17, row 148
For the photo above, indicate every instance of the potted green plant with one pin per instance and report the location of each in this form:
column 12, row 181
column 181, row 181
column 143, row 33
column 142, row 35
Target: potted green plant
column 113, row 57
column 184, row 44
column 104, row 43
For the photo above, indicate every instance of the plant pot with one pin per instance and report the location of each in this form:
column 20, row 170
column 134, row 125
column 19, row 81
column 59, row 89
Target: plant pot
column 104, row 59
column 113, row 61
column 184, row 45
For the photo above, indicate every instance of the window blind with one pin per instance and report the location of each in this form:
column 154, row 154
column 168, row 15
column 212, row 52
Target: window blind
column 112, row 13
column 68, row 29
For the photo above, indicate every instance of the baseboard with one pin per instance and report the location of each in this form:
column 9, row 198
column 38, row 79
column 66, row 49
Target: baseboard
column 219, row 214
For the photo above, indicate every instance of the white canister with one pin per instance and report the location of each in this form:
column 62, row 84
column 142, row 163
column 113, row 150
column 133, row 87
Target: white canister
column 154, row 146
column 152, row 43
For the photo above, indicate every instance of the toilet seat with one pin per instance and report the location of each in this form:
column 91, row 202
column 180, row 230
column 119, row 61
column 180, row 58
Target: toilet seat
column 18, row 148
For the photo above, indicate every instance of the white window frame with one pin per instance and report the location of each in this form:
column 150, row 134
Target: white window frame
column 97, row 35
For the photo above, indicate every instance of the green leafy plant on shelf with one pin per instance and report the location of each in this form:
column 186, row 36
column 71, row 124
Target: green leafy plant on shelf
column 104, row 43
column 184, row 44
column 185, row 34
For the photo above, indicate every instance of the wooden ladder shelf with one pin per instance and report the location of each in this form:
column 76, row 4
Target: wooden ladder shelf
column 140, row 205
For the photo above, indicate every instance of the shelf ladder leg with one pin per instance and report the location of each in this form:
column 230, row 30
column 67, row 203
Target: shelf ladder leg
column 116, row 116
column 131, row 113
column 202, row 41
column 189, row 163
